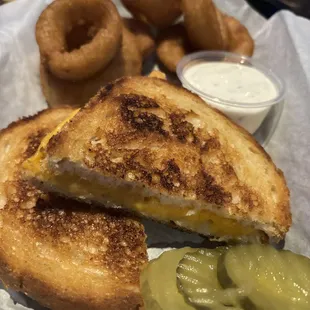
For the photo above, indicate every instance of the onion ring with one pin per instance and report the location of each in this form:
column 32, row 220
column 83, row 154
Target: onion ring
column 103, row 27
column 173, row 45
column 220, row 31
column 58, row 92
column 240, row 40
column 143, row 34
column 159, row 13
column 205, row 25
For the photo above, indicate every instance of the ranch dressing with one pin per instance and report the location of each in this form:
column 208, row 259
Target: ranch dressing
column 243, row 86
column 231, row 81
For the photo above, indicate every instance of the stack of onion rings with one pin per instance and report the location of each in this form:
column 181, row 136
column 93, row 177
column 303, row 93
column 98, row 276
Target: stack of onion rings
column 84, row 45
column 128, row 61
column 159, row 13
column 205, row 28
column 103, row 24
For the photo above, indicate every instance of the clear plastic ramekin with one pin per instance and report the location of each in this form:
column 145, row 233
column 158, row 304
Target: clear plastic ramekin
column 248, row 115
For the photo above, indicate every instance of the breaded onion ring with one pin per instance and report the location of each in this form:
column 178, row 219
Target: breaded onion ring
column 240, row 40
column 159, row 13
column 205, row 25
column 143, row 34
column 173, row 45
column 58, row 92
column 97, row 19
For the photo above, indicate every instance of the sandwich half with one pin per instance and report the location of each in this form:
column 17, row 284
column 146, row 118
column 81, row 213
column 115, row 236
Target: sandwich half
column 160, row 151
column 63, row 253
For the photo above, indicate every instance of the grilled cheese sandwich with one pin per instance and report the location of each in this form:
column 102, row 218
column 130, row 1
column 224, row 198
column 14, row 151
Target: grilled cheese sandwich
column 160, row 151
column 187, row 216
column 204, row 221
column 62, row 253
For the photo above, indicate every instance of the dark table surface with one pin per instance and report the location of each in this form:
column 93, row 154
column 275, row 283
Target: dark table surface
column 269, row 7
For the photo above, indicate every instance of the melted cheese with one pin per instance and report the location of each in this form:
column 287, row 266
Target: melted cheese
column 191, row 218
column 33, row 163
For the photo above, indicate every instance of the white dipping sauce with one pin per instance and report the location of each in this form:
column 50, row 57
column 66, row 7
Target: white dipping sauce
column 231, row 81
column 236, row 83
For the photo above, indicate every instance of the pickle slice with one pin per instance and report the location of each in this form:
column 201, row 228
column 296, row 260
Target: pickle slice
column 273, row 280
column 158, row 282
column 149, row 302
column 197, row 281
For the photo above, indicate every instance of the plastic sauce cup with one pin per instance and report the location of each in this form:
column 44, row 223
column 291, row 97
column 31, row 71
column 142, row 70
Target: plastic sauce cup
column 249, row 115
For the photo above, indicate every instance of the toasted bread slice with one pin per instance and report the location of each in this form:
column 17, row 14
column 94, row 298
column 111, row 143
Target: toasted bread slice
column 160, row 150
column 62, row 253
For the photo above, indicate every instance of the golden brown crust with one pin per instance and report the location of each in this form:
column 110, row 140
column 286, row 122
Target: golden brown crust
column 169, row 140
column 158, row 74
column 172, row 45
column 64, row 254
column 98, row 19
column 58, row 92
column 159, row 13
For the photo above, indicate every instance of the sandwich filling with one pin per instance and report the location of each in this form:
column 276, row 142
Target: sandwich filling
column 189, row 217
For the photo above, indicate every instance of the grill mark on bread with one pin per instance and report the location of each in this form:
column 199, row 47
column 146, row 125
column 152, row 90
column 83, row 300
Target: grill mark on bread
column 55, row 217
column 251, row 198
column 137, row 101
column 34, row 141
column 21, row 195
column 140, row 120
column 170, row 177
column 54, row 141
column 130, row 168
column 105, row 91
column 110, row 236
column 213, row 145
column 102, row 161
column 113, row 240
column 48, row 222
column 61, row 221
column 208, row 190
column 182, row 129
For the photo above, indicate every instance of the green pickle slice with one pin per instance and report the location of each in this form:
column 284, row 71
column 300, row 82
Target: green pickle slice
column 273, row 280
column 149, row 301
column 158, row 282
column 197, row 281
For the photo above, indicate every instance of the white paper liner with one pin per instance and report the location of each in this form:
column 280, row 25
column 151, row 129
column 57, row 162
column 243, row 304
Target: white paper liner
column 281, row 43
